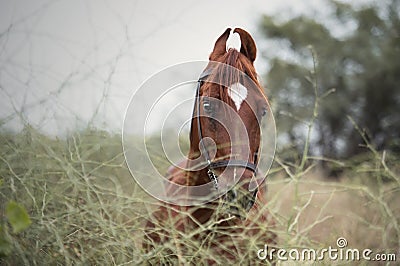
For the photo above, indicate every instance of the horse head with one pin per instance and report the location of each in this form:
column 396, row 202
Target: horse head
column 225, row 129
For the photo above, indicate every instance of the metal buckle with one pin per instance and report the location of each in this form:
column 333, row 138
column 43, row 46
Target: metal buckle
column 213, row 178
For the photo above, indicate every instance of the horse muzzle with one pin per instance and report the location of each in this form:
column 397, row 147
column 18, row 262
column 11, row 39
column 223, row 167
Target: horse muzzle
column 238, row 201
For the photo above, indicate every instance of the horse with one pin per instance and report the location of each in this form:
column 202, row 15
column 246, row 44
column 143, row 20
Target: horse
column 225, row 139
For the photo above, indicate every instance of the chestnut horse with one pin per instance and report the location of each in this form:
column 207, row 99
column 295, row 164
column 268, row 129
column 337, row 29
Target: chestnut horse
column 223, row 114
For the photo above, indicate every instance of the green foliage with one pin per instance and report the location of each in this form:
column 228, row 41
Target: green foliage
column 362, row 67
column 17, row 216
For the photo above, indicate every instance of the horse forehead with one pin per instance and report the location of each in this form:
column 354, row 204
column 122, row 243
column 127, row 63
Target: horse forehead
column 238, row 93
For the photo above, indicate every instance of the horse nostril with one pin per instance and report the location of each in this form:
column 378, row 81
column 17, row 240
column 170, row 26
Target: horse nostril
column 239, row 202
column 231, row 195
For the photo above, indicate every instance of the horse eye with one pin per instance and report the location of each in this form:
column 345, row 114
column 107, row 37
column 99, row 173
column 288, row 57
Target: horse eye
column 264, row 111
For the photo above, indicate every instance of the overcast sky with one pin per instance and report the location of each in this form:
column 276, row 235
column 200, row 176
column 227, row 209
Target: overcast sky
column 65, row 63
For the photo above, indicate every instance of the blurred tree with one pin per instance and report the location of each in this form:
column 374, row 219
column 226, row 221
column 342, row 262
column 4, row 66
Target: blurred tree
column 363, row 67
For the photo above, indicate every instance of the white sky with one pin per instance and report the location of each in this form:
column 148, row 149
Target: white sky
column 63, row 61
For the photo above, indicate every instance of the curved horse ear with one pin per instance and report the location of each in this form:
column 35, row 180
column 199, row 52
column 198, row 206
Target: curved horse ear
column 220, row 45
column 248, row 46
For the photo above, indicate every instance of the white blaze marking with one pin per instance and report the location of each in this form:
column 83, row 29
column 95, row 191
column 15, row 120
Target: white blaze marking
column 238, row 94
column 233, row 42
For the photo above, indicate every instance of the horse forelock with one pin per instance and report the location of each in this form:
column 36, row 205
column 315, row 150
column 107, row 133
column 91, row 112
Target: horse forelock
column 240, row 63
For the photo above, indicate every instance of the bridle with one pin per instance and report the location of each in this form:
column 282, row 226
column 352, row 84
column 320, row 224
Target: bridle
column 211, row 165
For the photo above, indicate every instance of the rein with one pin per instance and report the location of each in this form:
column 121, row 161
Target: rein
column 211, row 165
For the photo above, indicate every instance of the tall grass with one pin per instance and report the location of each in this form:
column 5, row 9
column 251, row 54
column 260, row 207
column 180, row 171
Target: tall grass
column 86, row 209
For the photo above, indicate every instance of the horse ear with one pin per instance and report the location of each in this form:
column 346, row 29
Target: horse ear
column 248, row 46
column 220, row 45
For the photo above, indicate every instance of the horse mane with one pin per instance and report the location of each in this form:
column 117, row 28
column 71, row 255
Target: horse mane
column 236, row 59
